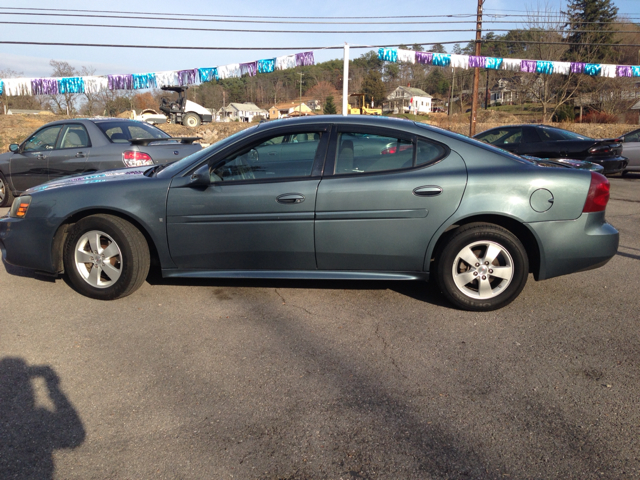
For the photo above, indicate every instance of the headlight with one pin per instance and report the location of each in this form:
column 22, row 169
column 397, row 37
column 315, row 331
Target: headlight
column 20, row 206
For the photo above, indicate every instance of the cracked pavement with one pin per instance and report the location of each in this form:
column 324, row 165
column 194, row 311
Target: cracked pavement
column 301, row 380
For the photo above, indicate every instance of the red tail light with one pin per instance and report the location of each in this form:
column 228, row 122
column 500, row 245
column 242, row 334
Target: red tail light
column 598, row 195
column 136, row 159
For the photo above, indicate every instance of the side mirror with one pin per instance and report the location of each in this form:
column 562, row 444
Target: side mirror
column 200, row 178
column 14, row 147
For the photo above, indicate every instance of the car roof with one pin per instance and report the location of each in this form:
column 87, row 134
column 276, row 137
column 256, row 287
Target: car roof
column 90, row 120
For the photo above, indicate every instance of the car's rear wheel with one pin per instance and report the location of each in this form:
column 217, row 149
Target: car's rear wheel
column 106, row 257
column 482, row 267
column 191, row 120
column 6, row 196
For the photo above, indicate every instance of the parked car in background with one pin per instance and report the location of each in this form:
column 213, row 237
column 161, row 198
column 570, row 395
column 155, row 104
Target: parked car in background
column 81, row 146
column 631, row 150
column 357, row 197
column 551, row 143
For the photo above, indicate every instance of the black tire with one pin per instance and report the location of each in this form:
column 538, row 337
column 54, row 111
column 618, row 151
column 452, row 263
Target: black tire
column 191, row 120
column 130, row 264
column 485, row 290
column 6, row 195
column 624, row 173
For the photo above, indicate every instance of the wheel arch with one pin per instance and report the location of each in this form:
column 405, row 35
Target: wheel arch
column 517, row 228
column 61, row 234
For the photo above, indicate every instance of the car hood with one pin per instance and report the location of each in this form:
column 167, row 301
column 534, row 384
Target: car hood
column 120, row 175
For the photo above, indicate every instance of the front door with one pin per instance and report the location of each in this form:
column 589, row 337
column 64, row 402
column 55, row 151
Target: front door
column 258, row 211
column 380, row 208
column 28, row 166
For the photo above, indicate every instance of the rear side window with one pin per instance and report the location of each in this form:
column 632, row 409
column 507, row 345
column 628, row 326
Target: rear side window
column 75, row 136
column 502, row 136
column 364, row 152
column 122, row 132
column 429, row 153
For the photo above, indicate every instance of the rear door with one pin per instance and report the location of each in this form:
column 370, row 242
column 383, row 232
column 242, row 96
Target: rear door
column 28, row 166
column 70, row 156
column 379, row 210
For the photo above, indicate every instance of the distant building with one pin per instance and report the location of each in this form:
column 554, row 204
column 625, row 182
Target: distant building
column 410, row 100
column 242, row 112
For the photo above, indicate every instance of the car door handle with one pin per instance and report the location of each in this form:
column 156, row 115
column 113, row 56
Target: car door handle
column 427, row 191
column 290, row 198
column 80, row 155
column 40, row 156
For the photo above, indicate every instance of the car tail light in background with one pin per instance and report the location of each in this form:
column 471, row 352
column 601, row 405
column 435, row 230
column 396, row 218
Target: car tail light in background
column 601, row 149
column 20, row 206
column 598, row 195
column 136, row 159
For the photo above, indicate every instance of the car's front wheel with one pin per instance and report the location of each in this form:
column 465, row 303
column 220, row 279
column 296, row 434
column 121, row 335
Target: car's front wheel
column 482, row 267
column 106, row 257
column 6, row 196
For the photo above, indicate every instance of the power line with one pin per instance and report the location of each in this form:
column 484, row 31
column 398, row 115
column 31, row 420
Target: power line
column 175, row 47
column 195, row 29
column 359, row 17
column 278, row 22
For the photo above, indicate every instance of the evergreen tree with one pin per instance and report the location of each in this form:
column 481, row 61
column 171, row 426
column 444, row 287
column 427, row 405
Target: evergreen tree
column 581, row 15
column 373, row 87
column 329, row 106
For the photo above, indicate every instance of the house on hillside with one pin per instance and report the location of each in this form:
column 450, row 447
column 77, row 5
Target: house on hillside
column 410, row 100
column 241, row 112
column 504, row 92
column 292, row 109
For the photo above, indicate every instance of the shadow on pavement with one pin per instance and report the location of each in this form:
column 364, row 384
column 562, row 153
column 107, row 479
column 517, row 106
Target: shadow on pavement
column 29, row 434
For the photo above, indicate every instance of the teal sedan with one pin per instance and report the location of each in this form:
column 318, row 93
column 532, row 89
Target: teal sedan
column 326, row 197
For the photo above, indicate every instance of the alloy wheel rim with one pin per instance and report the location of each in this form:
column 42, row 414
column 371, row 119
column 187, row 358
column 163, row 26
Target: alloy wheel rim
column 2, row 190
column 98, row 259
column 483, row 270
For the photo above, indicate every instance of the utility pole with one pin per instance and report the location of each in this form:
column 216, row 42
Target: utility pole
column 345, row 80
column 301, row 75
column 476, row 73
column 486, row 94
column 453, row 85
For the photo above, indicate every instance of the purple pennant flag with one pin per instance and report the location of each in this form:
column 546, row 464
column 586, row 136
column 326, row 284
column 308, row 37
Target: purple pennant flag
column 120, row 82
column 187, row 77
column 305, row 59
column 424, row 57
column 477, row 62
column 528, row 66
column 577, row 67
column 624, row 71
column 44, row 86
column 250, row 69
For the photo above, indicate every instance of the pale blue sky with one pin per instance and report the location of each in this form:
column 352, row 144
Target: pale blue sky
column 34, row 60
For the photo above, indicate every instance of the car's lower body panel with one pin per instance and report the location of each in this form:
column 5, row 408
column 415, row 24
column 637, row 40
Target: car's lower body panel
column 611, row 165
column 296, row 274
column 574, row 245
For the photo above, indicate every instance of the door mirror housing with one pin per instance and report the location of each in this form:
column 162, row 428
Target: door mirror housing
column 14, row 147
column 200, row 178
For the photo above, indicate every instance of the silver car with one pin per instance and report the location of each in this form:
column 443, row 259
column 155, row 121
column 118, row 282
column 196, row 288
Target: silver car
column 631, row 150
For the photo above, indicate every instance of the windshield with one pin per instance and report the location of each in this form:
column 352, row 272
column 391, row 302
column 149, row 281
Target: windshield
column 176, row 167
column 123, row 131
column 550, row 133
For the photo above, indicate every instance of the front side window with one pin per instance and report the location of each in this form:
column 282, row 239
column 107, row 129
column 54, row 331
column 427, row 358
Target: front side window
column 45, row 139
column 281, row 156
column 364, row 152
column 75, row 136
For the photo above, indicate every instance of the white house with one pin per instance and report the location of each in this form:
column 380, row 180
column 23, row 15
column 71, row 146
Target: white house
column 242, row 112
column 410, row 100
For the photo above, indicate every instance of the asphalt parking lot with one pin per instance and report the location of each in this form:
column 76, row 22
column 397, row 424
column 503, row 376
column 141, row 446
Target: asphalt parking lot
column 352, row 380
